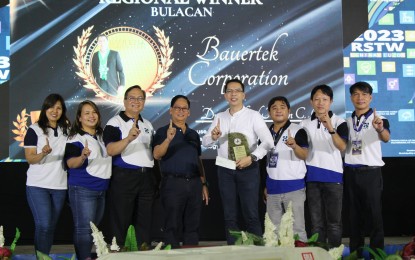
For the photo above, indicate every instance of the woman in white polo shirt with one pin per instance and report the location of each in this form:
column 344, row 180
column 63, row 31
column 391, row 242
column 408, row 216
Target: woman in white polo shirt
column 89, row 170
column 46, row 183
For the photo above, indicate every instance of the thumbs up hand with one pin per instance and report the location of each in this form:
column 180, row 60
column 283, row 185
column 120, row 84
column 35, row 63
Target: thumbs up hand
column 290, row 141
column 46, row 149
column 171, row 131
column 216, row 132
column 377, row 122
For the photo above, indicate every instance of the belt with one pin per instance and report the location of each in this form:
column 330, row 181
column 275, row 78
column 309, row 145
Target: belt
column 144, row 169
column 365, row 168
column 181, row 176
column 138, row 170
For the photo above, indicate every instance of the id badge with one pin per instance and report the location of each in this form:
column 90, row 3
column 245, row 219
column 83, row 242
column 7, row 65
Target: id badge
column 357, row 147
column 272, row 159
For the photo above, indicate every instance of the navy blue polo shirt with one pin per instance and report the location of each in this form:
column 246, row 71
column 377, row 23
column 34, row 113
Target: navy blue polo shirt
column 182, row 156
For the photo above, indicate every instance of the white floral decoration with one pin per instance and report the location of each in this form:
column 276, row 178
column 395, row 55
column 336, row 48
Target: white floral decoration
column 286, row 228
column 270, row 235
column 101, row 246
column 1, row 237
column 114, row 246
column 337, row 252
column 244, row 236
column 158, row 247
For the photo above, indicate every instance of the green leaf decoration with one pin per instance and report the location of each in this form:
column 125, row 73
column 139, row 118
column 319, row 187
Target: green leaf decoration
column 168, row 247
column 42, row 256
column 296, row 237
column 72, row 258
column 381, row 253
column 131, row 240
column 352, row 256
column 313, row 238
column 372, row 252
column 16, row 237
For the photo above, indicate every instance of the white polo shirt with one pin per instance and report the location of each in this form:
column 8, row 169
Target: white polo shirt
column 138, row 153
column 371, row 152
column 49, row 172
column 324, row 160
column 247, row 122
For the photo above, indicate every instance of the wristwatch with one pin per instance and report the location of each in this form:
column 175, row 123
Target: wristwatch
column 254, row 158
column 332, row 132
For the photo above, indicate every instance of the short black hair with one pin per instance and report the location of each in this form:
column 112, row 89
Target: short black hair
column 234, row 80
column 175, row 98
column 361, row 85
column 133, row 87
column 278, row 98
column 324, row 88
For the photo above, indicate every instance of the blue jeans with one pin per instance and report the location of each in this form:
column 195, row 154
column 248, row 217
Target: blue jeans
column 46, row 206
column 86, row 205
column 325, row 206
column 240, row 186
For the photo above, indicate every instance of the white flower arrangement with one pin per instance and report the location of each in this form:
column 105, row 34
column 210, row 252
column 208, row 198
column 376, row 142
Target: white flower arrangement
column 1, row 237
column 286, row 228
column 270, row 235
column 336, row 253
column 158, row 247
column 114, row 246
column 101, row 246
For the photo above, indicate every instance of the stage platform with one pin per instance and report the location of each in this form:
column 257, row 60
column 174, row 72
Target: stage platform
column 26, row 252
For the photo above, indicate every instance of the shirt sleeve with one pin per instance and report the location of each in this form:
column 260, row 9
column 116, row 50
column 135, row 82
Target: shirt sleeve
column 386, row 124
column 111, row 134
column 301, row 138
column 159, row 137
column 343, row 131
column 30, row 138
column 72, row 150
column 264, row 135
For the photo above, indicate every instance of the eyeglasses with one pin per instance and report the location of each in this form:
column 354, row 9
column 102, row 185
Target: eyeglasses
column 183, row 109
column 238, row 90
column 135, row 99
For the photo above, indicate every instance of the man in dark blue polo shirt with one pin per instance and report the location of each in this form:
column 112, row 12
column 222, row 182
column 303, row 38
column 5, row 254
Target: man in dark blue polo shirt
column 183, row 186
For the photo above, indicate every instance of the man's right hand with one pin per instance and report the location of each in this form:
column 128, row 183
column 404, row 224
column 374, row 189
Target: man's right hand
column 171, row 131
column 133, row 133
column 216, row 132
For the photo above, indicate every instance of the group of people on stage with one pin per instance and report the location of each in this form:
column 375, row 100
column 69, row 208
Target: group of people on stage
column 113, row 167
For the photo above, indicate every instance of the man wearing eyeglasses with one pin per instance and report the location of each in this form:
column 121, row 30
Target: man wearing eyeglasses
column 183, row 186
column 236, row 132
column 128, row 137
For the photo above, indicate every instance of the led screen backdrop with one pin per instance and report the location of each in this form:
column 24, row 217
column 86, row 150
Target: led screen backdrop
column 384, row 56
column 168, row 47
column 4, row 43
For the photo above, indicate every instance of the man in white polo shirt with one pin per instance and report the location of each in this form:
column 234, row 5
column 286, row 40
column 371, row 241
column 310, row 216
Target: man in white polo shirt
column 286, row 169
column 327, row 137
column 362, row 172
column 236, row 132
column 128, row 137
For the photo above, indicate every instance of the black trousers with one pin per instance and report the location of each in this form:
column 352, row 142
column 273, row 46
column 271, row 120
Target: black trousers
column 363, row 188
column 181, row 199
column 130, row 202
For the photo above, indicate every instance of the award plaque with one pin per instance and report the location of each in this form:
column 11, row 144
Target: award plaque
column 237, row 146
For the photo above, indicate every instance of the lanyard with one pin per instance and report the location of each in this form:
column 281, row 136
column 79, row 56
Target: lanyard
column 355, row 124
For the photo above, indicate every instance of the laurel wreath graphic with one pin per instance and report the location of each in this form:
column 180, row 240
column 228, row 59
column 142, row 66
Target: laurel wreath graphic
column 86, row 75
column 166, row 60
column 21, row 127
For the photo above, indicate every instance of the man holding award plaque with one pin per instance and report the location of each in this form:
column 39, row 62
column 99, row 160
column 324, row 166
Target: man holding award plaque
column 236, row 132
